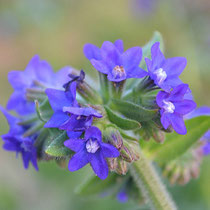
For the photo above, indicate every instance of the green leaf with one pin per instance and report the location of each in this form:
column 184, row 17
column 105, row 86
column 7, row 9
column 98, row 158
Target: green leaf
column 94, row 185
column 157, row 37
column 55, row 144
column 124, row 123
column 175, row 144
column 44, row 110
column 134, row 111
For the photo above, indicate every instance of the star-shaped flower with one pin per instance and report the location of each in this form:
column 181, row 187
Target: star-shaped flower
column 68, row 115
column 111, row 59
column 37, row 73
column 15, row 142
column 174, row 106
column 91, row 150
column 165, row 72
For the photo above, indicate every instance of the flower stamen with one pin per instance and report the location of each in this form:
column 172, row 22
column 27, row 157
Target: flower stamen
column 118, row 72
column 168, row 106
column 161, row 75
column 92, row 146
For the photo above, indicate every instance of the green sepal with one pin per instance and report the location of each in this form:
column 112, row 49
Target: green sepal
column 44, row 110
column 134, row 111
column 176, row 144
column 121, row 122
column 37, row 126
column 55, row 146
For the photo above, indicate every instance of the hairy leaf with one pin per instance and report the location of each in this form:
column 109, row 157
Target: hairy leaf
column 175, row 144
column 134, row 111
column 121, row 122
column 44, row 110
column 56, row 146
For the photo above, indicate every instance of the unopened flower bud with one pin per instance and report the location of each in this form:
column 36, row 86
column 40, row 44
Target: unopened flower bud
column 112, row 163
column 195, row 171
column 117, row 165
column 184, row 168
column 112, row 136
column 122, row 167
column 185, row 177
column 158, row 136
column 128, row 151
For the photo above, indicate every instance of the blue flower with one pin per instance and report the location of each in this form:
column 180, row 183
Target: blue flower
column 174, row 106
column 113, row 61
column 202, row 111
column 165, row 72
column 91, row 150
column 38, row 74
column 15, row 142
column 68, row 115
column 122, row 196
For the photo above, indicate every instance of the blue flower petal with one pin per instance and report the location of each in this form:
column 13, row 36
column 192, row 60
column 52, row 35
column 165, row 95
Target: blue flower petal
column 92, row 52
column 110, row 55
column 79, row 160
column 58, row 99
column 109, row 151
column 119, row 45
column 84, row 111
column 93, row 132
column 178, row 92
column 174, row 66
column 75, row 144
column 18, row 80
column 157, row 56
column 131, row 58
column 178, row 125
column 100, row 65
column 162, row 95
column 99, row 165
column 184, row 107
column 136, row 72
column 165, row 120
column 57, row 120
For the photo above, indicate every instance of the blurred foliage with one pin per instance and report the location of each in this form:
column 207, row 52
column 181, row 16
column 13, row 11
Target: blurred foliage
column 57, row 31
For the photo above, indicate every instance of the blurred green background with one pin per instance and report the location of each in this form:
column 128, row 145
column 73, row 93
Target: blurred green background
column 57, row 31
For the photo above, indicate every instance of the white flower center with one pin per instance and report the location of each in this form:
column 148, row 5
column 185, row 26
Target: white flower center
column 168, row 106
column 161, row 75
column 118, row 72
column 92, row 146
column 24, row 146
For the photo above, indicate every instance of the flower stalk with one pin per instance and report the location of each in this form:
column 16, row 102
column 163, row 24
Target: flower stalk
column 150, row 184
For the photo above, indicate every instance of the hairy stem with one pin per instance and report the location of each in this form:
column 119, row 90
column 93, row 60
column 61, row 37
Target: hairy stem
column 150, row 184
column 105, row 89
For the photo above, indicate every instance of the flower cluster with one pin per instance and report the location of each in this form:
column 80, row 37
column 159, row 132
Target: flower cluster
column 118, row 65
column 15, row 141
column 60, row 115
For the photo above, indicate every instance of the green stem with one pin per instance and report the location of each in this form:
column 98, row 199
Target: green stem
column 89, row 94
column 33, row 129
column 150, row 184
column 105, row 89
column 117, row 89
column 28, row 120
